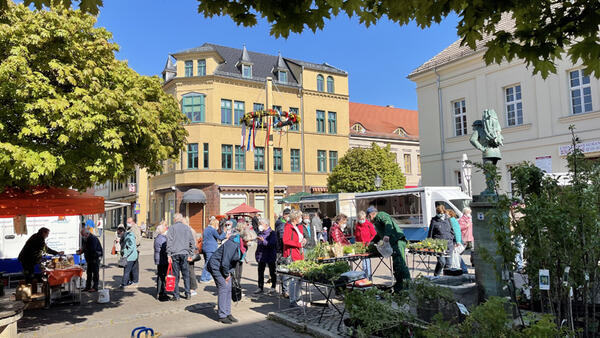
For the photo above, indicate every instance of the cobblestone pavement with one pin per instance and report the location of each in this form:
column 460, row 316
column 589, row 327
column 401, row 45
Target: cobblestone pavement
column 137, row 306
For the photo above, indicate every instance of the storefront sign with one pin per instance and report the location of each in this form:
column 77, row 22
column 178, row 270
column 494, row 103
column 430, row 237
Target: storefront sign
column 585, row 147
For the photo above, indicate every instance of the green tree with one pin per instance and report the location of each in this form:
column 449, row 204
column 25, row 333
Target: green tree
column 357, row 170
column 70, row 113
column 544, row 29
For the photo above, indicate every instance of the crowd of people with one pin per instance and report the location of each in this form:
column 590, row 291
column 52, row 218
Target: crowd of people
column 224, row 243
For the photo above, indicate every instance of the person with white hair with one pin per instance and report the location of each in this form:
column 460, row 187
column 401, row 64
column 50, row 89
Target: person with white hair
column 180, row 249
column 161, row 260
column 266, row 254
column 466, row 228
column 92, row 249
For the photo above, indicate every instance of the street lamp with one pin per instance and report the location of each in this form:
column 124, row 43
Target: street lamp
column 466, row 173
column 378, row 182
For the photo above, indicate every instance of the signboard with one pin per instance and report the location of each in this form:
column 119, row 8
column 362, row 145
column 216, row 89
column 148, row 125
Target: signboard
column 544, row 163
column 544, row 279
column 64, row 234
column 136, row 208
column 131, row 187
column 585, row 147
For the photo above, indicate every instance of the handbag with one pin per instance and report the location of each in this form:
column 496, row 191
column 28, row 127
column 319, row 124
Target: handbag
column 236, row 289
column 113, row 251
column 122, row 262
column 170, row 279
column 196, row 257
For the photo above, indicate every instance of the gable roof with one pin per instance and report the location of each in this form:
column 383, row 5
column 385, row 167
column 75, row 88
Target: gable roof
column 456, row 52
column 262, row 64
column 380, row 121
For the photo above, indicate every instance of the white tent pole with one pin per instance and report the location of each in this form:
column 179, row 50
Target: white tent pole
column 104, row 249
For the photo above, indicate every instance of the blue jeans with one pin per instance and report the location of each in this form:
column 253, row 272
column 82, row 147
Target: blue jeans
column 224, row 295
column 463, row 266
column 132, row 269
column 206, row 276
column 367, row 268
column 294, row 288
column 180, row 263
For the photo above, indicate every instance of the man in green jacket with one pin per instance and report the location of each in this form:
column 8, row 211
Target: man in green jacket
column 388, row 231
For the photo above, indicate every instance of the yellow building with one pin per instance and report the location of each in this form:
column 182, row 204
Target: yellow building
column 215, row 86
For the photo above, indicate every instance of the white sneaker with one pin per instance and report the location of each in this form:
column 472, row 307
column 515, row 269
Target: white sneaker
column 193, row 293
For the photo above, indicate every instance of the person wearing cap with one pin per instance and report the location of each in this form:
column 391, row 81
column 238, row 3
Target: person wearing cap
column 389, row 231
column 93, row 252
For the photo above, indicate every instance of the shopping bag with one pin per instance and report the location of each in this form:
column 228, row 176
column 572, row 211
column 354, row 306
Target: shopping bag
column 170, row 279
column 113, row 251
column 236, row 289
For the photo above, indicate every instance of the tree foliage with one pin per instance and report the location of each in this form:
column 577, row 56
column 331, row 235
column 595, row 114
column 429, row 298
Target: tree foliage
column 357, row 170
column 71, row 114
column 544, row 28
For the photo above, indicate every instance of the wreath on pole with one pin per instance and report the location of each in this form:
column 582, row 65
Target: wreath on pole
column 264, row 119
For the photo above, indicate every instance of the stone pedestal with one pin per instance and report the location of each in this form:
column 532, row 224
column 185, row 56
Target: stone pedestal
column 488, row 284
column 10, row 313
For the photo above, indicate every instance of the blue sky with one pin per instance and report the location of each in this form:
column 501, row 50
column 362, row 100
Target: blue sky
column 378, row 58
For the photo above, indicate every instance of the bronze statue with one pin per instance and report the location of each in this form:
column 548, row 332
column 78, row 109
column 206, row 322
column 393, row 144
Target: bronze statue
column 487, row 137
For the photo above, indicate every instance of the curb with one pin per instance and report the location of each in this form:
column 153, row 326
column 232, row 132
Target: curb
column 300, row 327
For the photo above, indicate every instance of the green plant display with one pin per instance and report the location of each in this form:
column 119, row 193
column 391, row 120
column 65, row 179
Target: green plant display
column 429, row 244
column 320, row 250
column 327, row 273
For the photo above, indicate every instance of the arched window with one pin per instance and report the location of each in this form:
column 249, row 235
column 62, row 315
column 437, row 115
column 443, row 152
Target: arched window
column 193, row 106
column 320, row 83
column 330, row 84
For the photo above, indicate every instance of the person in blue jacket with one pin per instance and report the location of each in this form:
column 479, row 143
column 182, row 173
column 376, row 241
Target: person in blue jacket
column 266, row 254
column 221, row 266
column 93, row 252
column 210, row 242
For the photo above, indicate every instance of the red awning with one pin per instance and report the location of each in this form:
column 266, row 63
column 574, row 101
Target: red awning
column 49, row 202
column 243, row 209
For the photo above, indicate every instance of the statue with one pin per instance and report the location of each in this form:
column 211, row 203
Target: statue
column 487, row 138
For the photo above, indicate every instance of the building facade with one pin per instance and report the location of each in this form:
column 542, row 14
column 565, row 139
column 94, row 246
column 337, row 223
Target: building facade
column 216, row 86
column 132, row 191
column 386, row 125
column 454, row 88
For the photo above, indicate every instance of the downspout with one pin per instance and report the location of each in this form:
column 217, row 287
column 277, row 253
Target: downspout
column 301, row 92
column 442, row 134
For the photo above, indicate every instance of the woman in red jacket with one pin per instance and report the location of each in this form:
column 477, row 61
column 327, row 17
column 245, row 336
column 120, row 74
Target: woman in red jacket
column 364, row 233
column 293, row 244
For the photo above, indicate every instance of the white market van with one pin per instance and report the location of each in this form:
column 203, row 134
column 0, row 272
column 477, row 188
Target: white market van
column 64, row 236
column 413, row 208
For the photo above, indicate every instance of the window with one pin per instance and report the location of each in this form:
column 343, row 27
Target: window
column 330, row 84
column 295, row 126
column 581, row 92
column 400, row 131
column 407, row 164
column 240, row 158
column 276, row 119
column 238, row 111
column 321, row 161
column 225, row 111
column 320, row 121
column 419, row 164
column 205, row 153
column 247, row 71
column 259, row 107
column 332, row 122
column 189, row 65
column 460, row 117
column 201, row 67
column 259, row 158
column 226, row 156
column 295, row 160
column 357, row 127
column 333, row 159
column 320, row 83
column 282, row 76
column 514, row 106
column 277, row 159
column 458, row 178
column 192, row 156
column 193, row 106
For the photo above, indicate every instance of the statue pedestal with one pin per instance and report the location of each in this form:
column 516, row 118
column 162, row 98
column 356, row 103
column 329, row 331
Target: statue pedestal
column 488, row 284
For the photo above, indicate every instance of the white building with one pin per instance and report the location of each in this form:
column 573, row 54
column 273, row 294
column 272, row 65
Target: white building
column 455, row 86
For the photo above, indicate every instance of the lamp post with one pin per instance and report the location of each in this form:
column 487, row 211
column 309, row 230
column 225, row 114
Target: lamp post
column 378, row 182
column 466, row 173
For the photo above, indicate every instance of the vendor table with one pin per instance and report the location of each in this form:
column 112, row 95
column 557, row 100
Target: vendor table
column 356, row 262
column 422, row 259
column 60, row 286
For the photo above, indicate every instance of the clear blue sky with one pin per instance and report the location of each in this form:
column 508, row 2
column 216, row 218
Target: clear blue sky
column 377, row 59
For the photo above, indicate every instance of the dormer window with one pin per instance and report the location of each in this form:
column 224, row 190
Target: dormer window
column 357, row 127
column 400, row 131
column 247, row 71
column 283, row 76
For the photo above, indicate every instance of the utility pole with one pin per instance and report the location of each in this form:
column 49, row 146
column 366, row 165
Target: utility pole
column 269, row 159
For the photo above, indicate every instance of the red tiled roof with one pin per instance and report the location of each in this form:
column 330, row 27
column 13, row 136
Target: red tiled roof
column 380, row 120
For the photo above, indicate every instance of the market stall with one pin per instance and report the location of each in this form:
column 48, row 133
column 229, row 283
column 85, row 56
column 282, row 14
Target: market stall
column 59, row 206
column 426, row 252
